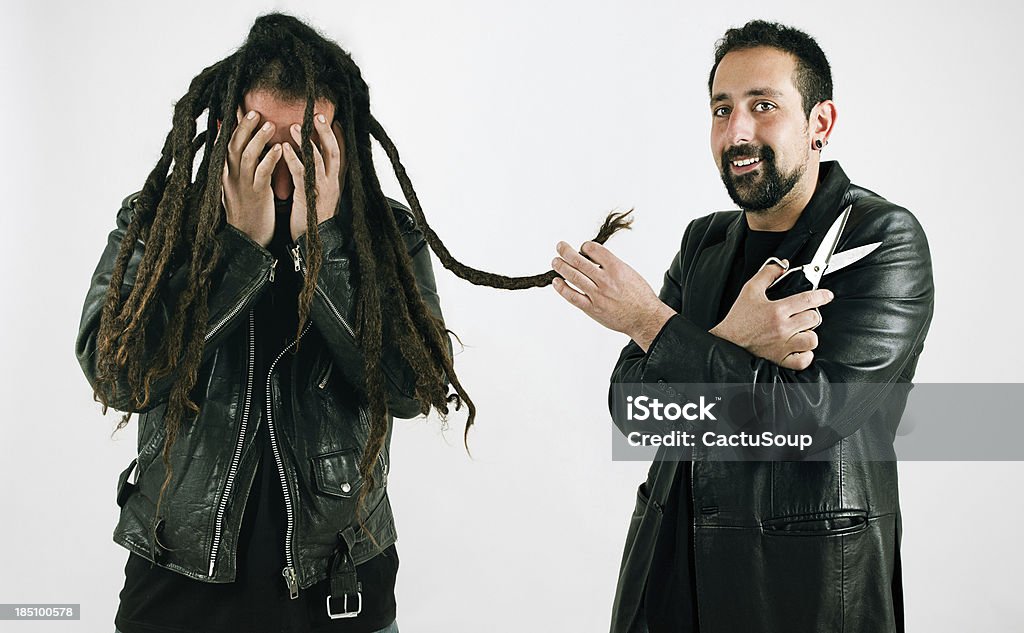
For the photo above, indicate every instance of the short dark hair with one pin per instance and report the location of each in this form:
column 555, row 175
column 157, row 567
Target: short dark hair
column 813, row 74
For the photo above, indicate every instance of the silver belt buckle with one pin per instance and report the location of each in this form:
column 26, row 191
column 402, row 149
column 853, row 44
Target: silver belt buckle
column 345, row 613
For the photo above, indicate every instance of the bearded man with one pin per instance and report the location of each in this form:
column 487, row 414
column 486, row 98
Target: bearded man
column 770, row 546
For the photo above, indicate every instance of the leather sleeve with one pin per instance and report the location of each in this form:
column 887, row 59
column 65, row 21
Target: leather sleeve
column 235, row 284
column 871, row 332
column 632, row 362
column 333, row 311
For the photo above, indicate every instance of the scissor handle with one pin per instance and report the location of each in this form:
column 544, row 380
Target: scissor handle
column 776, row 260
column 787, row 283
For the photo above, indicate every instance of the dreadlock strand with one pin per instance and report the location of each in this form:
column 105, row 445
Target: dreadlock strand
column 200, row 227
column 368, row 197
column 368, row 308
column 472, row 275
column 168, row 215
column 193, row 304
column 412, row 322
column 314, row 247
column 112, row 323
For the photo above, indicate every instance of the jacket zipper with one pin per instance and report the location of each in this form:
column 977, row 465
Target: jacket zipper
column 301, row 266
column 238, row 306
column 327, row 374
column 237, row 455
column 288, row 572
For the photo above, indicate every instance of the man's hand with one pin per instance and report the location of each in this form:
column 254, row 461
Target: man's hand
column 780, row 331
column 613, row 294
column 330, row 170
column 248, row 200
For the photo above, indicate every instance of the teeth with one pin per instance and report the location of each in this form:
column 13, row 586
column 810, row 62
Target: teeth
column 745, row 162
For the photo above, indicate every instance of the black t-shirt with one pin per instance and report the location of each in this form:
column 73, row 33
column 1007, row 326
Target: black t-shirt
column 670, row 599
column 158, row 600
column 757, row 247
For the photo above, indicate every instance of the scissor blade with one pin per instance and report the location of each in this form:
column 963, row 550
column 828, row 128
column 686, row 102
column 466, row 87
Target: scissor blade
column 853, row 255
column 828, row 245
column 816, row 268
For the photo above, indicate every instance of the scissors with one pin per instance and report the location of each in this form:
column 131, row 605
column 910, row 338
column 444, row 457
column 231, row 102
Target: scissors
column 824, row 262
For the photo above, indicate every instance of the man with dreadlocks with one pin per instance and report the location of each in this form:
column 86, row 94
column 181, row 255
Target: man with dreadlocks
column 266, row 390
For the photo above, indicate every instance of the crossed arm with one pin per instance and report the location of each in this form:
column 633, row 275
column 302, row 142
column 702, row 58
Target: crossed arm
column 617, row 297
column 871, row 333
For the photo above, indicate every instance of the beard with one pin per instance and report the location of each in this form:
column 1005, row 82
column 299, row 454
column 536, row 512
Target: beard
column 762, row 188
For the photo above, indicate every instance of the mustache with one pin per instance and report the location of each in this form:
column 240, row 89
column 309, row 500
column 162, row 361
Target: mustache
column 765, row 153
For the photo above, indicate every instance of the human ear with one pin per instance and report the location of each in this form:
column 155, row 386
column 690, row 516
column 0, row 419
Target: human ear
column 821, row 122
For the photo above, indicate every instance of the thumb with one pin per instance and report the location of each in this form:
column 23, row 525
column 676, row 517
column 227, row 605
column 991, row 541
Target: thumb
column 770, row 270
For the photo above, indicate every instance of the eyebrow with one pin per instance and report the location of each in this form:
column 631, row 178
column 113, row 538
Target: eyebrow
column 753, row 92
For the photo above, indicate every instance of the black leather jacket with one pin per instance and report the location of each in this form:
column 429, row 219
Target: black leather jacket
column 792, row 546
column 317, row 437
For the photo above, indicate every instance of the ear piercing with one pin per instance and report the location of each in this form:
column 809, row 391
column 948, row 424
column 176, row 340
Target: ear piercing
column 818, row 144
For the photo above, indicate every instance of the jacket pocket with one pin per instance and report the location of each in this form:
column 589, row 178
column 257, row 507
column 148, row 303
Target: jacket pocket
column 829, row 523
column 792, row 580
column 643, row 499
column 337, row 473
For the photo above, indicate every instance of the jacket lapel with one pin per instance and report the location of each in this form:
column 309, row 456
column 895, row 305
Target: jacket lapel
column 817, row 217
column 711, row 272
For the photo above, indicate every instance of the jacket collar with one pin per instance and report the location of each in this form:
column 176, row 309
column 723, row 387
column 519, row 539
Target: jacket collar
column 715, row 262
column 820, row 211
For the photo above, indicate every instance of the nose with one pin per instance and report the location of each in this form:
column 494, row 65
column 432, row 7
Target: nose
column 741, row 127
column 281, row 181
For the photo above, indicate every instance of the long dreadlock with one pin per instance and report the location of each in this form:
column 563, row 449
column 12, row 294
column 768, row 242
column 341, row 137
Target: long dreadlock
column 177, row 215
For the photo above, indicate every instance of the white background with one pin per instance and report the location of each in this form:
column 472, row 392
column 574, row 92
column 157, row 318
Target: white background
column 520, row 124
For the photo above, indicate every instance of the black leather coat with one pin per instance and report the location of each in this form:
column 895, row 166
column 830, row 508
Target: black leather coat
column 318, row 436
column 792, row 546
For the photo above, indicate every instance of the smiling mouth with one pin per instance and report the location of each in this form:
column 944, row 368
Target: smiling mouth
column 743, row 166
